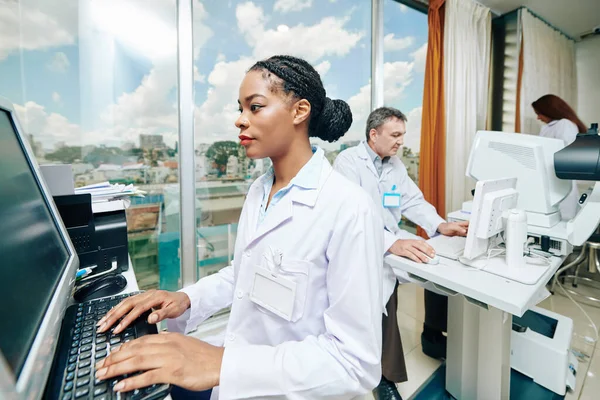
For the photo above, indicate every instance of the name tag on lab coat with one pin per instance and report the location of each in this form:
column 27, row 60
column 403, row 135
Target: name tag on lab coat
column 391, row 200
column 273, row 292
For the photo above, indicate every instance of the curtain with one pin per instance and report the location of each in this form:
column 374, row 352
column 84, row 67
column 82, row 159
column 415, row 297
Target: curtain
column 467, row 48
column 433, row 137
column 548, row 68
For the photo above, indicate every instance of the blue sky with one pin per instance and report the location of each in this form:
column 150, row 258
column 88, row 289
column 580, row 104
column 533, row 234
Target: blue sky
column 74, row 82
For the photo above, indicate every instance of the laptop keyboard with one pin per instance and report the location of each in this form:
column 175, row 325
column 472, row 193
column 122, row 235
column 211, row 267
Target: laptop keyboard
column 86, row 347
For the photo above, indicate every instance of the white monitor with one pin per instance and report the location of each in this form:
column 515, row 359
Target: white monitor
column 492, row 198
column 530, row 158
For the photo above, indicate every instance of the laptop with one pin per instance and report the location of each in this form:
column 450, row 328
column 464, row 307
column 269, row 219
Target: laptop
column 48, row 344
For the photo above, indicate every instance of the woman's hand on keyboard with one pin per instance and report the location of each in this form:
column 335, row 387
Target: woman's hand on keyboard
column 166, row 305
column 166, row 358
column 454, row 228
column 416, row 250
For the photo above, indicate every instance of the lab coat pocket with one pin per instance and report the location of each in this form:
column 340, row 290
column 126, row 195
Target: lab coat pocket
column 297, row 272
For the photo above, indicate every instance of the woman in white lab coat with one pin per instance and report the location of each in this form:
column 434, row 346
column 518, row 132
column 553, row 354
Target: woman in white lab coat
column 560, row 122
column 305, row 284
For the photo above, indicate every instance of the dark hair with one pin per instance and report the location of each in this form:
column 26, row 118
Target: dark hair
column 556, row 108
column 329, row 119
column 380, row 116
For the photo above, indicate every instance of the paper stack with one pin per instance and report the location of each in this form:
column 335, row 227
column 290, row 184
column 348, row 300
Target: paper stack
column 105, row 192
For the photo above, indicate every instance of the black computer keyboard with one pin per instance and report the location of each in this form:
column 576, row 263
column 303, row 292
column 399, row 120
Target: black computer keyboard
column 80, row 347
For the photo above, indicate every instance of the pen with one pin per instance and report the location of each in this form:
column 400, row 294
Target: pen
column 82, row 272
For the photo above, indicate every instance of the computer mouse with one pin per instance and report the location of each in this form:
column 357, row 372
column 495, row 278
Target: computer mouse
column 103, row 286
column 433, row 261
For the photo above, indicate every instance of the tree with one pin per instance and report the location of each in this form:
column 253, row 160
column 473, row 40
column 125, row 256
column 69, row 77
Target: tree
column 219, row 152
column 66, row 155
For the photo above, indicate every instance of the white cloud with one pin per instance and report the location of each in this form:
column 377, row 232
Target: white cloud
column 323, row 68
column 47, row 128
column 198, row 77
column 396, row 77
column 56, row 97
column 390, row 43
column 148, row 105
column 412, row 139
column 24, row 26
column 215, row 118
column 60, row 63
column 403, row 8
column 328, row 37
column 419, row 56
column 202, row 33
column 286, row 6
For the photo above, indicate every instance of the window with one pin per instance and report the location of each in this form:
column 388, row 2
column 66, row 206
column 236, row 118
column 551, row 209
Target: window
column 335, row 36
column 405, row 49
column 94, row 85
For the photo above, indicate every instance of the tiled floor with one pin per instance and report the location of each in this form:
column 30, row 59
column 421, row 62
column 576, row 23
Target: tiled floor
column 420, row 367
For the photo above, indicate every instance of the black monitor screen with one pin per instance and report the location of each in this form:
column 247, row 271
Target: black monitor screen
column 33, row 254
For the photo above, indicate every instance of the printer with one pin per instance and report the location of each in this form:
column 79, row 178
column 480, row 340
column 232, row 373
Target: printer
column 99, row 238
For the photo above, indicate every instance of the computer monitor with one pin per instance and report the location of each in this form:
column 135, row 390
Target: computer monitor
column 529, row 158
column 37, row 267
column 492, row 199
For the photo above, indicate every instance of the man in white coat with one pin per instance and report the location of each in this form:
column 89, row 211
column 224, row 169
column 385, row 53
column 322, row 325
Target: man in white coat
column 374, row 165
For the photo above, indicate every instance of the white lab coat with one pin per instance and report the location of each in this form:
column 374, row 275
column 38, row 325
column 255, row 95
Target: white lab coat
column 356, row 164
column 332, row 244
column 566, row 131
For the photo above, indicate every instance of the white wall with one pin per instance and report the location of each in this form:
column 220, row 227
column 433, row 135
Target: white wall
column 588, row 79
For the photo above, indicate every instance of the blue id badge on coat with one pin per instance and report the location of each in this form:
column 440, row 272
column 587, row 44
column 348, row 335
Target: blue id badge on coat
column 391, row 199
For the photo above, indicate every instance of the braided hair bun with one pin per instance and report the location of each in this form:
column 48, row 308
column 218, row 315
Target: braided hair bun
column 329, row 119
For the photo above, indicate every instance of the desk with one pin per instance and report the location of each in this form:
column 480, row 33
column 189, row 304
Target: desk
column 480, row 310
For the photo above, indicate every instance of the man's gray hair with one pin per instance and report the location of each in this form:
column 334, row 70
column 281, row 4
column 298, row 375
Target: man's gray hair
column 382, row 115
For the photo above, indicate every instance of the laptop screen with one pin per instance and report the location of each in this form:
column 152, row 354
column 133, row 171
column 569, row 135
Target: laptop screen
column 33, row 255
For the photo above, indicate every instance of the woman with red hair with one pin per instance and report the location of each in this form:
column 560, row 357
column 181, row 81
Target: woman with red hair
column 560, row 122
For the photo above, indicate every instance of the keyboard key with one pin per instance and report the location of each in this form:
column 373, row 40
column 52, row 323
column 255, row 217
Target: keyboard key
column 100, row 389
column 98, row 382
column 87, row 334
column 86, row 341
column 70, row 376
column 137, row 394
column 68, row 386
column 115, row 340
column 100, row 339
column 89, row 317
column 88, row 328
column 86, row 355
column 101, row 354
column 76, row 337
column 75, row 344
column 72, row 359
column 74, row 351
column 81, row 392
column 67, row 396
column 77, row 331
column 83, row 372
column 85, row 363
column 71, row 367
column 83, row 382
column 90, row 322
column 85, row 348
